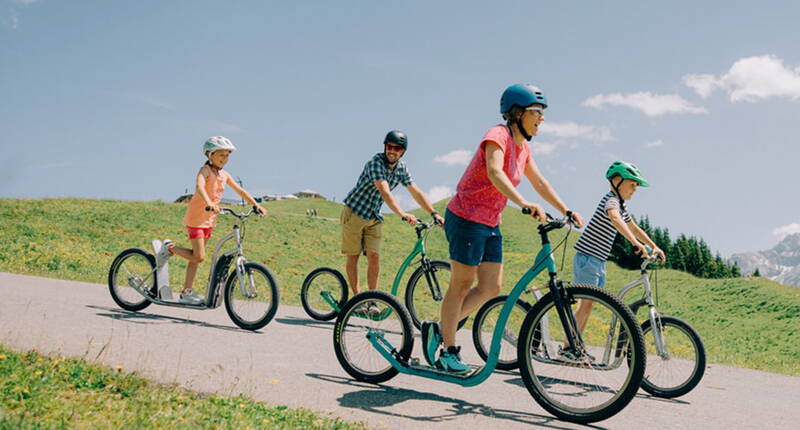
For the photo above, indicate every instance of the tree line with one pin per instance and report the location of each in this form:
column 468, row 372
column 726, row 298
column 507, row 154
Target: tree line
column 687, row 254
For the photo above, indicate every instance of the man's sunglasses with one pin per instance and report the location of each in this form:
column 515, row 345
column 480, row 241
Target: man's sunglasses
column 394, row 148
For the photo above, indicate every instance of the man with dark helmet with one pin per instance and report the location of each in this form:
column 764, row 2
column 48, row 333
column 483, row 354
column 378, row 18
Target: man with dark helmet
column 361, row 216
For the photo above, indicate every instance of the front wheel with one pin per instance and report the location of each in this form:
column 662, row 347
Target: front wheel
column 425, row 291
column 321, row 287
column 681, row 367
column 484, row 325
column 595, row 382
column 251, row 304
column 378, row 313
column 132, row 269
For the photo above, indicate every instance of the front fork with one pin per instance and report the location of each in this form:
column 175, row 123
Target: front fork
column 658, row 333
column 430, row 277
column 564, row 302
column 246, row 284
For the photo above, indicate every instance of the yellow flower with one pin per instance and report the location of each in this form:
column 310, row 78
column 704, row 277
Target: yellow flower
column 2, row 356
column 119, row 368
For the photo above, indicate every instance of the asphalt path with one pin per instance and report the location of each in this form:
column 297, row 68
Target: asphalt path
column 291, row 362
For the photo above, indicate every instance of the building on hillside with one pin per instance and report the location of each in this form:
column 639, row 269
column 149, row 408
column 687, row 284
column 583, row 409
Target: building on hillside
column 272, row 197
column 309, row 194
column 184, row 198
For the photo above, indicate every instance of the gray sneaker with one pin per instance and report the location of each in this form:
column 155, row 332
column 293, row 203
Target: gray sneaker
column 191, row 298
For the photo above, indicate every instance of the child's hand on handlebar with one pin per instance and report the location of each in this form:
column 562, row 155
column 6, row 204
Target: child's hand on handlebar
column 439, row 220
column 660, row 254
column 213, row 208
column 640, row 250
column 260, row 210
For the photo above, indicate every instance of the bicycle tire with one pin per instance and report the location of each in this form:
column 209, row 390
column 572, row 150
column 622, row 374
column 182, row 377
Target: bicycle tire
column 333, row 282
column 656, row 364
column 269, row 291
column 482, row 335
column 147, row 263
column 424, row 299
column 355, row 353
column 628, row 373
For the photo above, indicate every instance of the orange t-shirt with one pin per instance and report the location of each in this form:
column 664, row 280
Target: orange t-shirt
column 196, row 214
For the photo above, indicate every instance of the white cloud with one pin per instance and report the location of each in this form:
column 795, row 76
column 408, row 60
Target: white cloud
column 646, row 102
column 654, row 143
column 702, row 84
column 543, row 148
column 459, row 157
column 440, row 192
column 575, row 130
column 751, row 79
column 786, row 230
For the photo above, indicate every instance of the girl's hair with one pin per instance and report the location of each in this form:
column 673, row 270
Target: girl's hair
column 513, row 114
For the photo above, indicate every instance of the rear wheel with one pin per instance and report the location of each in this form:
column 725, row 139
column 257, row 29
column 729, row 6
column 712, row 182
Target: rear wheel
column 253, row 305
column 582, row 386
column 682, row 367
column 133, row 268
column 484, row 325
column 355, row 352
column 320, row 283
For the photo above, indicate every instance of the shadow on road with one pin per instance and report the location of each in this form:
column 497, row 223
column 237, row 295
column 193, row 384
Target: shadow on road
column 374, row 398
column 145, row 318
column 306, row 322
column 519, row 382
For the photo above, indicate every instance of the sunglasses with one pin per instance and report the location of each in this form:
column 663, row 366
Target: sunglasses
column 536, row 109
column 394, row 148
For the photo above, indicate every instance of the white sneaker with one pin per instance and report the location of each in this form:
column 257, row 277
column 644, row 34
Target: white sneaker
column 191, row 298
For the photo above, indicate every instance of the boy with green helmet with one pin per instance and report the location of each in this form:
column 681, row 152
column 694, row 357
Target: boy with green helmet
column 610, row 217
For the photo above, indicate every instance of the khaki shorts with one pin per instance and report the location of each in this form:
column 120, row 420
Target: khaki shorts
column 359, row 234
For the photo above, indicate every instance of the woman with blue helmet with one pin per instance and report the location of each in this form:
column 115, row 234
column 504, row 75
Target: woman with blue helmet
column 472, row 220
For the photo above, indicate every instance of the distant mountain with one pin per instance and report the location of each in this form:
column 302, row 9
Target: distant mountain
column 781, row 263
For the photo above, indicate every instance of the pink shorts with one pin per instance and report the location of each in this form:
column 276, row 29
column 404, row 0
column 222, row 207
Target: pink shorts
column 199, row 232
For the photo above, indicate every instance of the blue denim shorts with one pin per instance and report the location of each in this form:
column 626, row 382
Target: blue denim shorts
column 588, row 270
column 472, row 243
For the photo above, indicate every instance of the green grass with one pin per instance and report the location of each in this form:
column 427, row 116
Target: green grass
column 43, row 392
column 743, row 322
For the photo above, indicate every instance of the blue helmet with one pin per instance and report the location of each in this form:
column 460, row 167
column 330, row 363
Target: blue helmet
column 522, row 95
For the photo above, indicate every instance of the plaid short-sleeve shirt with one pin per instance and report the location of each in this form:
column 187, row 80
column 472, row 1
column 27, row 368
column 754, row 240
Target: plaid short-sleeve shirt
column 364, row 199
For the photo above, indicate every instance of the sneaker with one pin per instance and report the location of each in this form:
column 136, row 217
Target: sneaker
column 368, row 309
column 568, row 354
column 161, row 250
column 450, row 360
column 431, row 339
column 191, row 298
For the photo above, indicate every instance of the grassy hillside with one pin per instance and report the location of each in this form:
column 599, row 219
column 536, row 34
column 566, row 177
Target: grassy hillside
column 744, row 322
column 52, row 392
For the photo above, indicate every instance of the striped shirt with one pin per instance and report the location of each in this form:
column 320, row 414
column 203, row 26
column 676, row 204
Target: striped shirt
column 598, row 238
column 365, row 200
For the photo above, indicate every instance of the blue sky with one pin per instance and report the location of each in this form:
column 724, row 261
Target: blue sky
column 114, row 99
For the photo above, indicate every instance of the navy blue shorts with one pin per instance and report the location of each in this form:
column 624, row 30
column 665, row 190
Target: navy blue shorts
column 472, row 243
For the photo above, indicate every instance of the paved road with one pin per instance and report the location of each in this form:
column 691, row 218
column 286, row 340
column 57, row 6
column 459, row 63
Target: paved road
column 291, row 362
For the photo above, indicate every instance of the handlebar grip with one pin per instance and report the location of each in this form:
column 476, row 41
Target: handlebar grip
column 526, row 211
column 208, row 208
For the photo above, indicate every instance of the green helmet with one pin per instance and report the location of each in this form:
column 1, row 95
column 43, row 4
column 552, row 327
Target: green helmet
column 627, row 171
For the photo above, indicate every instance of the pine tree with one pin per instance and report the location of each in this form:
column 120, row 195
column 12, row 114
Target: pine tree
column 756, row 273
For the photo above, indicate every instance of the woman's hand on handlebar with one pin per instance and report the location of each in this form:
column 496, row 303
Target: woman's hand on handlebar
column 575, row 218
column 260, row 210
column 213, row 208
column 537, row 212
